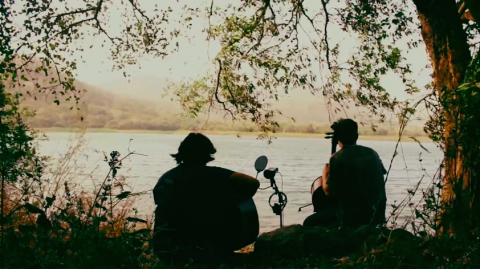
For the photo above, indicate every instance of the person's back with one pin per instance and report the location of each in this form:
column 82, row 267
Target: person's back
column 196, row 203
column 359, row 174
column 355, row 175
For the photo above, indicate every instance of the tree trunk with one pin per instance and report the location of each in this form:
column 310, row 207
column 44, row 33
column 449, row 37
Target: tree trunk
column 446, row 44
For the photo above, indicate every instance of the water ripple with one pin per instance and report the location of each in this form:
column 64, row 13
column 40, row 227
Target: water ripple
column 300, row 160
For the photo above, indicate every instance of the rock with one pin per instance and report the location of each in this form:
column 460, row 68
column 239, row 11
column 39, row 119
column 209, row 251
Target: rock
column 323, row 241
column 358, row 238
column 295, row 241
column 284, row 242
column 405, row 244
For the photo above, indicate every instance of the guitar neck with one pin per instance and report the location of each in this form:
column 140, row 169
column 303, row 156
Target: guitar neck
column 331, row 135
column 334, row 145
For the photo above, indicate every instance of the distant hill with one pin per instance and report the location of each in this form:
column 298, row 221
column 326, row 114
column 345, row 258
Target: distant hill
column 101, row 109
column 299, row 104
column 141, row 105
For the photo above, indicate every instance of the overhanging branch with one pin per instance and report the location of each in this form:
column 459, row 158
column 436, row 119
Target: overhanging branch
column 217, row 88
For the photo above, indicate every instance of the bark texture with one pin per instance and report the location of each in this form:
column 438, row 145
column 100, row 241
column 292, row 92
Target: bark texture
column 449, row 52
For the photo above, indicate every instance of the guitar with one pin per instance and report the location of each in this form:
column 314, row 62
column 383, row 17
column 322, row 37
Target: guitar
column 249, row 226
column 226, row 225
column 320, row 200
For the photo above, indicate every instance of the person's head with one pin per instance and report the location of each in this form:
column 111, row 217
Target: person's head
column 346, row 131
column 195, row 149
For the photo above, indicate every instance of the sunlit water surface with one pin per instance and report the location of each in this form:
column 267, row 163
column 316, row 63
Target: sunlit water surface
column 300, row 161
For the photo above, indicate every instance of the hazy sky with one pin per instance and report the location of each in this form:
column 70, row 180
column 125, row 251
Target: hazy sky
column 193, row 58
column 188, row 62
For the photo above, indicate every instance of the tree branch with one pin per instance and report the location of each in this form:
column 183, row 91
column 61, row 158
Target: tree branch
column 218, row 86
column 260, row 20
column 462, row 9
column 135, row 8
column 325, row 35
column 59, row 16
column 474, row 9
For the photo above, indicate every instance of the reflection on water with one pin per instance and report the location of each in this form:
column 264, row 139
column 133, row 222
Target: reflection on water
column 300, row 161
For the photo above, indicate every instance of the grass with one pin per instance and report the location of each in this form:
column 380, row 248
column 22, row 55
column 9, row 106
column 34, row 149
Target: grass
column 230, row 133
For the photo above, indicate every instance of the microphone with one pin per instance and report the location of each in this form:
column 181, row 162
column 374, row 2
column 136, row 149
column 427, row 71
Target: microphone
column 270, row 173
column 330, row 135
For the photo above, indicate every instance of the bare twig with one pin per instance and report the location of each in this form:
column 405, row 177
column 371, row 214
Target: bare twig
column 79, row 11
column 208, row 32
column 325, row 35
column 136, row 8
column 462, row 9
column 217, row 88
column 2, row 203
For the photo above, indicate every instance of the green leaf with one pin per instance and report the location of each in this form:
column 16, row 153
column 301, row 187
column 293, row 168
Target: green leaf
column 101, row 218
column 131, row 219
column 50, row 201
column 97, row 205
column 464, row 87
column 27, row 228
column 33, row 209
column 142, row 231
column 52, row 46
column 57, row 102
column 123, row 195
column 43, row 222
column 24, row 78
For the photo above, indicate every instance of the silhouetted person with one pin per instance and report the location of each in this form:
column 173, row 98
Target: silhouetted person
column 194, row 201
column 354, row 177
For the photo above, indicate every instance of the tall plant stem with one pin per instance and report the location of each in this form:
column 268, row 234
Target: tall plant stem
column 2, row 205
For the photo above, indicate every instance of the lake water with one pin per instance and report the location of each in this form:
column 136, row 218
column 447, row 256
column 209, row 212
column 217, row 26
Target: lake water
column 300, row 160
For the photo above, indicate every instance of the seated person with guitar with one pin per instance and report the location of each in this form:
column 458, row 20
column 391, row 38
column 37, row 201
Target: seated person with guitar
column 197, row 205
column 354, row 177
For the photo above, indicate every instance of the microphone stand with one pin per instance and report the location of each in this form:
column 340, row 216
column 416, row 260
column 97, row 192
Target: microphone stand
column 282, row 197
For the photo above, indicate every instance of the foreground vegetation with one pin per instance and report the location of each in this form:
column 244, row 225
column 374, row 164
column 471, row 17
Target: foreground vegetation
column 64, row 224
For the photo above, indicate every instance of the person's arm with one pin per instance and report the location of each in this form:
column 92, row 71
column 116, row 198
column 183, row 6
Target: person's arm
column 330, row 177
column 243, row 186
column 384, row 171
column 326, row 171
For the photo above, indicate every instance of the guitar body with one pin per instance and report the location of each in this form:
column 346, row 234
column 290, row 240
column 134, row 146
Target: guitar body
column 248, row 226
column 320, row 200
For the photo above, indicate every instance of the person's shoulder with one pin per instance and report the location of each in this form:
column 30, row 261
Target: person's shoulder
column 364, row 149
column 170, row 172
column 369, row 150
column 218, row 170
column 167, row 176
column 347, row 152
column 370, row 153
column 337, row 155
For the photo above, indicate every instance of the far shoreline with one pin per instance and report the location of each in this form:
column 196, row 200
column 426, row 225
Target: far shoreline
column 229, row 133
